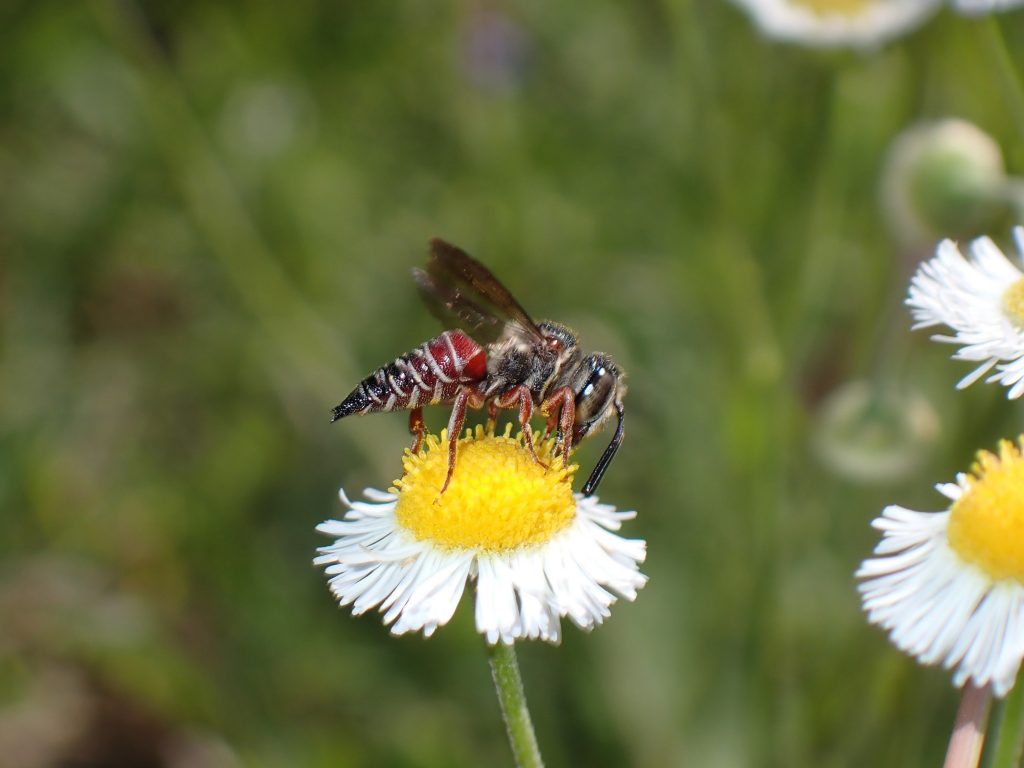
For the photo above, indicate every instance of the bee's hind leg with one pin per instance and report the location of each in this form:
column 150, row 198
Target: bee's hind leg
column 466, row 396
column 417, row 428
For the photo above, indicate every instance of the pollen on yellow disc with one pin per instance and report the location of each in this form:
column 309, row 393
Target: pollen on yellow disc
column 499, row 497
column 848, row 8
column 986, row 524
column 1013, row 303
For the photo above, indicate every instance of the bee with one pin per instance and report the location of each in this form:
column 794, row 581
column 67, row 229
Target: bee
column 497, row 357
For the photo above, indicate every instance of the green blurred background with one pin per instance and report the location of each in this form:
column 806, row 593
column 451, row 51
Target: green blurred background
column 208, row 213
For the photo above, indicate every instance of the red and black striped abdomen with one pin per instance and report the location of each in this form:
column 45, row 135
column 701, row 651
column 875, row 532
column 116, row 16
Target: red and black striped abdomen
column 430, row 374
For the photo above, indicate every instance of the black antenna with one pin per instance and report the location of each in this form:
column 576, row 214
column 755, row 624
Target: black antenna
column 606, row 458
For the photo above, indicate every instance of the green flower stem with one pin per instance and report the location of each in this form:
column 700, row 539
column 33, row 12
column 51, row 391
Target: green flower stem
column 969, row 729
column 1009, row 735
column 509, row 685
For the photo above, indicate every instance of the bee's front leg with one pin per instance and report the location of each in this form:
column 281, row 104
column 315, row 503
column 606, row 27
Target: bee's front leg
column 563, row 403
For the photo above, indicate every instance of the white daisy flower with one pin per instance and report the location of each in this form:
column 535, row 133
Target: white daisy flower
column 949, row 586
column 537, row 551
column 834, row 23
column 982, row 300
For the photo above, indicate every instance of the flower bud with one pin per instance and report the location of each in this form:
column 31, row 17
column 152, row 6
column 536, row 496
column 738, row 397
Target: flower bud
column 870, row 435
column 943, row 179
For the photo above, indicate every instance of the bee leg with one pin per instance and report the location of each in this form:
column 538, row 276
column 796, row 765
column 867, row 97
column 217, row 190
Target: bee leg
column 563, row 402
column 492, row 417
column 466, row 396
column 417, row 428
column 550, row 426
column 522, row 396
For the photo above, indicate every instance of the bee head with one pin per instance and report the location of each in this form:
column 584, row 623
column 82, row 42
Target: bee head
column 599, row 386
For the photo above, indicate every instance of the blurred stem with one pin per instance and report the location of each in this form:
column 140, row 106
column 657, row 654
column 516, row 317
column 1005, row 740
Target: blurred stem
column 509, row 685
column 969, row 728
column 1009, row 734
column 1009, row 77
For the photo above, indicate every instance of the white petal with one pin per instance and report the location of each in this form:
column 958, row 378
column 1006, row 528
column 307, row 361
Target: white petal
column 937, row 607
column 966, row 295
column 374, row 563
column 877, row 21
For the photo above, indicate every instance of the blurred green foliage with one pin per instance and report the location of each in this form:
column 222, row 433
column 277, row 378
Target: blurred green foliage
column 208, row 213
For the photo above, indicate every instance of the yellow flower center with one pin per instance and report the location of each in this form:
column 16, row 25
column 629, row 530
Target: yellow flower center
column 1013, row 303
column 499, row 497
column 851, row 9
column 986, row 524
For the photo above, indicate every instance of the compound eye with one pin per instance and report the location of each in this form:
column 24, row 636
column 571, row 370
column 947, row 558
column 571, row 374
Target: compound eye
column 599, row 385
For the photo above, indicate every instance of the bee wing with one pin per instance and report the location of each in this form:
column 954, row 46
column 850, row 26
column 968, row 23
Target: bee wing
column 449, row 305
column 457, row 288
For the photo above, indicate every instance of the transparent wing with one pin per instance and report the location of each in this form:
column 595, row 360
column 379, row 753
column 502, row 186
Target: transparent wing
column 458, row 289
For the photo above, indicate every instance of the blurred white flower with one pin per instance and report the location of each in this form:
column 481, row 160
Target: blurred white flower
column 874, row 434
column 838, row 23
column 982, row 300
column 943, row 178
column 537, row 551
column 949, row 586
column 979, row 7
